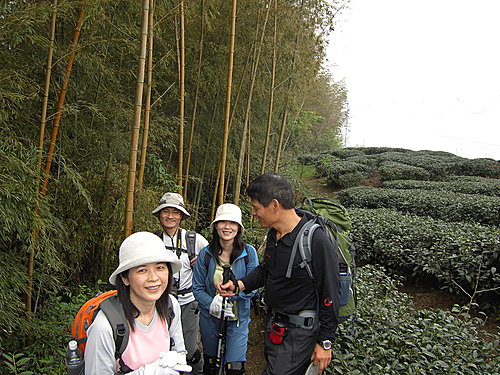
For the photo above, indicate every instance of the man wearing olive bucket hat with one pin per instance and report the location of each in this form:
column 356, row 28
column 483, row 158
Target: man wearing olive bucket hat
column 186, row 245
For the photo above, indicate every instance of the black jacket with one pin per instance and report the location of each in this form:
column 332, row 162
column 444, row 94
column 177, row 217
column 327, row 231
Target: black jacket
column 298, row 293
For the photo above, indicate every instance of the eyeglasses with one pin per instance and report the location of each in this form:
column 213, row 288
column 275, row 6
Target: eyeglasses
column 171, row 212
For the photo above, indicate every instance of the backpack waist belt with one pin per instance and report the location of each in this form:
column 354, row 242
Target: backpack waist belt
column 304, row 319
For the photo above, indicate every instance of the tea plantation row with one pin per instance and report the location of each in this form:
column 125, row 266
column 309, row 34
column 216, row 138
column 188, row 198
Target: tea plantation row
column 350, row 166
column 388, row 337
column 443, row 205
column 453, row 255
column 459, row 184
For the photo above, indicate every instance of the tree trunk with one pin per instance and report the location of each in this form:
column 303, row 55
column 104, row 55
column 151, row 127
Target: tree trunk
column 147, row 104
column 195, row 104
column 271, row 92
column 129, row 202
column 228, row 104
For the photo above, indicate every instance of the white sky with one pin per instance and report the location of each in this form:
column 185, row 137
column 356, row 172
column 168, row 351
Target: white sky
column 421, row 74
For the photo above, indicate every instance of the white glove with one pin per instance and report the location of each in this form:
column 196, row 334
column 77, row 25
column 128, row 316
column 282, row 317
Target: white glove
column 174, row 361
column 152, row 369
column 155, row 368
column 172, row 358
column 216, row 307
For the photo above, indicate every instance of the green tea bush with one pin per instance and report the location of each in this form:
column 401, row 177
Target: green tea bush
column 309, row 159
column 477, row 167
column 347, row 152
column 389, row 338
column 481, row 186
column 437, row 204
column 422, row 248
column 398, row 171
column 343, row 173
column 396, row 163
column 380, row 150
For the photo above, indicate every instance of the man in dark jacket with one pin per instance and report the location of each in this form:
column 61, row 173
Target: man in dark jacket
column 303, row 314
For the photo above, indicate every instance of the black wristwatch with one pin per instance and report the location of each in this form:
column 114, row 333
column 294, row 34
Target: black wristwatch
column 326, row 344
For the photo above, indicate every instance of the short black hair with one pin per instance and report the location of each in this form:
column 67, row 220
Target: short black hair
column 271, row 186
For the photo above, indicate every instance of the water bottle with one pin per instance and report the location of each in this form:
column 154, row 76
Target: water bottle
column 74, row 359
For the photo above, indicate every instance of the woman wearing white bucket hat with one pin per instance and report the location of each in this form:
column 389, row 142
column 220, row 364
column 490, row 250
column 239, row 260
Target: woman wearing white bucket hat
column 227, row 248
column 143, row 279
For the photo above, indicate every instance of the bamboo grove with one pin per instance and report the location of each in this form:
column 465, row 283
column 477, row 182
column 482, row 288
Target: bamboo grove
column 105, row 105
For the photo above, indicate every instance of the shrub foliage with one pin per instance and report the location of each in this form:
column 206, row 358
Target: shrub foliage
column 437, row 204
column 466, row 185
column 454, row 255
column 390, row 338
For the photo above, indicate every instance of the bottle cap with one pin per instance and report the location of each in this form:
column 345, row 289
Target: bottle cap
column 72, row 345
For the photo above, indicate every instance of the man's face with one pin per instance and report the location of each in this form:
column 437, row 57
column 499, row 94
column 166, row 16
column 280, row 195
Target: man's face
column 265, row 215
column 170, row 218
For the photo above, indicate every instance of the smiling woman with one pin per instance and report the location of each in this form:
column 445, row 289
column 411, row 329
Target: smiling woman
column 143, row 279
column 224, row 321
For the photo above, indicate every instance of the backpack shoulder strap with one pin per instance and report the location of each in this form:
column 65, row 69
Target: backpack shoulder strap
column 170, row 313
column 191, row 243
column 303, row 244
column 112, row 308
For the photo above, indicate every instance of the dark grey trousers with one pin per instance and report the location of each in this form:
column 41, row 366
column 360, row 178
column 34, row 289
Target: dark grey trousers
column 190, row 325
column 293, row 355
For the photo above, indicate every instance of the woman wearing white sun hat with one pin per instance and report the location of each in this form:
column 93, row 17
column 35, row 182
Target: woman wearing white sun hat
column 144, row 280
column 226, row 248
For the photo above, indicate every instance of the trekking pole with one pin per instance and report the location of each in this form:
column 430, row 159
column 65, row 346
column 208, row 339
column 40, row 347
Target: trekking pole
column 221, row 344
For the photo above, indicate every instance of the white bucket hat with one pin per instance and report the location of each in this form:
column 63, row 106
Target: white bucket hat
column 171, row 200
column 228, row 212
column 142, row 248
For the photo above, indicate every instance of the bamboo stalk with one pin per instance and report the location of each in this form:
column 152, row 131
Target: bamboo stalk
column 246, row 124
column 50, row 152
column 129, row 201
column 181, row 96
column 228, row 103
column 196, row 94
column 147, row 104
column 46, row 95
column 271, row 92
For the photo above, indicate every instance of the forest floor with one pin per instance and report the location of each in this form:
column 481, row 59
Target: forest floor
column 423, row 296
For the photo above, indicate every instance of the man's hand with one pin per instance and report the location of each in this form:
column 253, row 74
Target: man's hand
column 226, row 290
column 321, row 357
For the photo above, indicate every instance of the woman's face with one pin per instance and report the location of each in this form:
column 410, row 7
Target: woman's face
column 147, row 282
column 227, row 230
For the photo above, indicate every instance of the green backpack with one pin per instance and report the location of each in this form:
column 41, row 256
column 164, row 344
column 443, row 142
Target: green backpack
column 333, row 217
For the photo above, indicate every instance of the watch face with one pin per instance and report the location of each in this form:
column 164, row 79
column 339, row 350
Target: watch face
column 326, row 344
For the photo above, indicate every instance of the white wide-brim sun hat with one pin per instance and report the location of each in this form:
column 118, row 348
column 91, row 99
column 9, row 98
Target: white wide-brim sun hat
column 142, row 248
column 228, row 212
column 171, row 200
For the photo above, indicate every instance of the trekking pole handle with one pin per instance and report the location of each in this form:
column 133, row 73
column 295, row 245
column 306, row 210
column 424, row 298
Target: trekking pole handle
column 226, row 273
